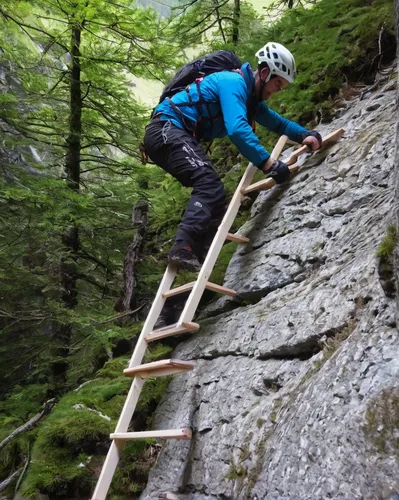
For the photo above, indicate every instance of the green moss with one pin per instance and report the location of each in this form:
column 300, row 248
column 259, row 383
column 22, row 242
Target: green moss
column 260, row 422
column 156, row 352
column 113, row 369
column 235, row 472
column 334, row 41
column 24, row 402
column 137, row 459
column 276, row 406
column 258, row 460
column 388, row 244
column 224, row 258
column 381, row 425
column 75, row 427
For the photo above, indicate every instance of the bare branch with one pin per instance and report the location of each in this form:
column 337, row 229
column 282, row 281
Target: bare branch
column 48, row 405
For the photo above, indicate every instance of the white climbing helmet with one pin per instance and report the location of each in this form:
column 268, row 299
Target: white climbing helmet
column 279, row 59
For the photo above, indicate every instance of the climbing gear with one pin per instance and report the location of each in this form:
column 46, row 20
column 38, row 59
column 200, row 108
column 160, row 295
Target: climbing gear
column 184, row 325
column 194, row 72
column 184, row 258
column 221, row 60
column 279, row 60
column 278, row 171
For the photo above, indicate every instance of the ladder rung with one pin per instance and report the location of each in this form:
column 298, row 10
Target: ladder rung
column 160, row 368
column 179, row 289
column 168, row 331
column 328, row 139
column 266, row 183
column 209, row 286
column 237, row 238
column 259, row 186
column 166, row 434
column 220, row 289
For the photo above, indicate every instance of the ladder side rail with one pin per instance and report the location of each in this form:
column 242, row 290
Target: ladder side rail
column 220, row 237
column 152, row 317
column 115, row 450
column 214, row 250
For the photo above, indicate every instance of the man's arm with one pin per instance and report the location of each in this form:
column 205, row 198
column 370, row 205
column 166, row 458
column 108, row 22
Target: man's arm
column 233, row 96
column 281, row 126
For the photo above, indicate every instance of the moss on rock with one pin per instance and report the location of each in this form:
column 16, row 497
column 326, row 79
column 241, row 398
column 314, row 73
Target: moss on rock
column 381, row 426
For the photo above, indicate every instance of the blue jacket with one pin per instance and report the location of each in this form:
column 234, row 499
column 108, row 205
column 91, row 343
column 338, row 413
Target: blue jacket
column 227, row 94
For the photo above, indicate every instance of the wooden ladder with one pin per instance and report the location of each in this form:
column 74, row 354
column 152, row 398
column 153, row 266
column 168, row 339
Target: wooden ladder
column 185, row 324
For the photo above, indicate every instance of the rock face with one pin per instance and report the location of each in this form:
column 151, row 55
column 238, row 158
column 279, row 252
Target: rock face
column 296, row 393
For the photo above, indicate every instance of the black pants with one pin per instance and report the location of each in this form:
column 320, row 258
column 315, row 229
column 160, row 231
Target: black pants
column 178, row 153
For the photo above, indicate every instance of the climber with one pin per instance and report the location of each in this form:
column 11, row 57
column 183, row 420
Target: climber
column 219, row 104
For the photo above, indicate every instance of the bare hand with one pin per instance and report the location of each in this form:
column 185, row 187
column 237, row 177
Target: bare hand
column 312, row 142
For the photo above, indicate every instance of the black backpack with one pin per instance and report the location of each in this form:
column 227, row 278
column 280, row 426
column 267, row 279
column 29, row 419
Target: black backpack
column 221, row 60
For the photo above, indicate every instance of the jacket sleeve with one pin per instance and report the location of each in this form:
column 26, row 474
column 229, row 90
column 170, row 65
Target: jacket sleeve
column 232, row 92
column 276, row 123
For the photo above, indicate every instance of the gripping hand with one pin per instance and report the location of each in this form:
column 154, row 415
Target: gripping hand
column 278, row 171
column 313, row 139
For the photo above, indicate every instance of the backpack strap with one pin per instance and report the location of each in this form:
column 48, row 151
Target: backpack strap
column 198, row 128
column 188, row 124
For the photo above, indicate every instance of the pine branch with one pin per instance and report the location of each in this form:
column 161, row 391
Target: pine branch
column 25, row 26
column 85, row 277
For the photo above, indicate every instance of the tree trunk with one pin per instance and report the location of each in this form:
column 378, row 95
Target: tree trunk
column 236, row 22
column 215, row 3
column 139, row 220
column 70, row 236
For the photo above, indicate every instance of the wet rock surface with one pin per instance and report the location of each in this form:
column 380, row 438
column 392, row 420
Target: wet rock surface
column 295, row 393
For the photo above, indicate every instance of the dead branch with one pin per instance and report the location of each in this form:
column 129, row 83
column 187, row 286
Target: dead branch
column 28, row 425
column 7, row 481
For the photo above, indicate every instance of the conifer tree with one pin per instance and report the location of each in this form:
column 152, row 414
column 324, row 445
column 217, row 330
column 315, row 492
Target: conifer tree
column 74, row 61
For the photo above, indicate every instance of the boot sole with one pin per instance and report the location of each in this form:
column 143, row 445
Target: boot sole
column 191, row 266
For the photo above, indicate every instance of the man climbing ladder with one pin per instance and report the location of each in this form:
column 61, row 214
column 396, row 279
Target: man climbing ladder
column 171, row 366
column 280, row 171
column 225, row 102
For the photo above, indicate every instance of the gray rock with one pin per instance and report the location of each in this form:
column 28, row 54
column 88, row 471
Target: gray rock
column 295, row 394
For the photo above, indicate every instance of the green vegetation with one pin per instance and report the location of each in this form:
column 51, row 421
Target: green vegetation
column 385, row 252
column 388, row 244
column 381, row 425
column 62, row 454
column 346, row 33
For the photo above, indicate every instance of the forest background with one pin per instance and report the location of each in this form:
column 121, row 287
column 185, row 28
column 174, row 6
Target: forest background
column 86, row 227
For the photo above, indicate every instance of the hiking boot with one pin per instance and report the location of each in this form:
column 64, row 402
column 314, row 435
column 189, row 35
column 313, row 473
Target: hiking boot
column 184, row 258
column 167, row 317
column 170, row 315
column 163, row 321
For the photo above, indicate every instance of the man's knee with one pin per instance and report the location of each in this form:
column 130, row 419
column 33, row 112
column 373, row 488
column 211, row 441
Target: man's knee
column 212, row 188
